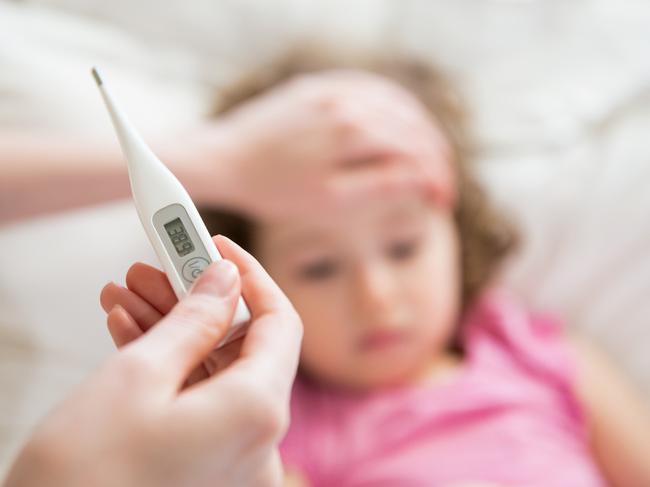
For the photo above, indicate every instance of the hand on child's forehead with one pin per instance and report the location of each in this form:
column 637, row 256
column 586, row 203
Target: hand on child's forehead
column 335, row 137
column 389, row 104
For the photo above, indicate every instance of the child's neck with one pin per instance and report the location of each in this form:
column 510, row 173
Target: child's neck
column 440, row 368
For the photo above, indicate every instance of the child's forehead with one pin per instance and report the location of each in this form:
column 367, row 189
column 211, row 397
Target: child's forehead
column 373, row 218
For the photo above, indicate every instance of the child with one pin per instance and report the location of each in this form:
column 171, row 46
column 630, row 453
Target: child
column 415, row 370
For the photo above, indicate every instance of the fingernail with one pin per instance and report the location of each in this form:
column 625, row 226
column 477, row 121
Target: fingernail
column 219, row 278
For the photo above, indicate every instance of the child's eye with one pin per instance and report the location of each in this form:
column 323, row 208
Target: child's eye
column 318, row 270
column 403, row 250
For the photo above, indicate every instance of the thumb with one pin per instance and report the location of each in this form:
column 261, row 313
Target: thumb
column 191, row 330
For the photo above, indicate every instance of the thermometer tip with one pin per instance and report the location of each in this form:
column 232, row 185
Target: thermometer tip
column 98, row 78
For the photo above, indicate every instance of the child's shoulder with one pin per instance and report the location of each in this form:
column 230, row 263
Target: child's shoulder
column 501, row 330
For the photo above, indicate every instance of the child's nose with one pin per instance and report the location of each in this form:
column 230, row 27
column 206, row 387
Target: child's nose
column 376, row 293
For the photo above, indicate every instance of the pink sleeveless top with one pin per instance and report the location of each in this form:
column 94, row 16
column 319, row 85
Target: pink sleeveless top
column 509, row 418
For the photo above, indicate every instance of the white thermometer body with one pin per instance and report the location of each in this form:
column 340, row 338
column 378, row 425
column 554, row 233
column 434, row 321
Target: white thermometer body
column 169, row 217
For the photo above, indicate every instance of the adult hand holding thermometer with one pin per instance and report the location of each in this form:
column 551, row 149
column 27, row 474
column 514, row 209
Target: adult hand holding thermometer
column 169, row 217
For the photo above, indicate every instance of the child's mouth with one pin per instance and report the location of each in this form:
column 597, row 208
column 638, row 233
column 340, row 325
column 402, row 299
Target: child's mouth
column 382, row 340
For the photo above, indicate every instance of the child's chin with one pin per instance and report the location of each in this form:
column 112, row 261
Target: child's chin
column 383, row 378
column 386, row 374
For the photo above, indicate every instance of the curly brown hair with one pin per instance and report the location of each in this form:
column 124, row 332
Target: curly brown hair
column 486, row 235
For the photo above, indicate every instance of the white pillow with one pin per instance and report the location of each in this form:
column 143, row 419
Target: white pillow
column 45, row 60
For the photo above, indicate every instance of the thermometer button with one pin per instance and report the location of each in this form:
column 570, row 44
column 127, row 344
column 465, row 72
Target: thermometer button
column 194, row 267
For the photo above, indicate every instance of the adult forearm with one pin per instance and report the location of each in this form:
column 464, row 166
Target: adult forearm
column 42, row 173
column 45, row 172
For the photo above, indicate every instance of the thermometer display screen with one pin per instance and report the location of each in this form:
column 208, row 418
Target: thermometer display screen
column 179, row 237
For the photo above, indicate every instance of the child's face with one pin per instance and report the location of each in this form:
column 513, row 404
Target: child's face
column 376, row 287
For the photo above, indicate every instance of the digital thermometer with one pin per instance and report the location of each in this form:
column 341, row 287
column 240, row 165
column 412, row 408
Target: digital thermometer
column 168, row 215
